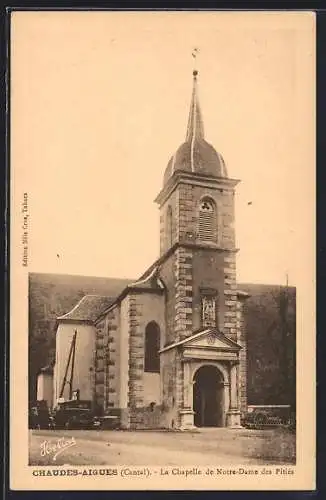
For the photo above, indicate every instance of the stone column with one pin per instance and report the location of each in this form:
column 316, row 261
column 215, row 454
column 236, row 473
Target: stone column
column 226, row 402
column 233, row 415
column 186, row 380
column 233, row 387
column 187, row 413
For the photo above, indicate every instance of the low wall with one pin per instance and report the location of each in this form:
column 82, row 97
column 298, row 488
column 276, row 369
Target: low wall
column 148, row 417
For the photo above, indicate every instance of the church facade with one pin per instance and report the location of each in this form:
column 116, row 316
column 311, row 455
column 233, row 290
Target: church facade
column 170, row 351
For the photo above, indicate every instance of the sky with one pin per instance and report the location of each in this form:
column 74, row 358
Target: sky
column 100, row 102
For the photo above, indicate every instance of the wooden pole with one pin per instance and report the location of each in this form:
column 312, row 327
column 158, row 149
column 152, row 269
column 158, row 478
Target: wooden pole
column 72, row 363
column 66, row 372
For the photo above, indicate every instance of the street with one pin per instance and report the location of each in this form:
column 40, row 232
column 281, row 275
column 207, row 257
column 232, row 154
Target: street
column 201, row 447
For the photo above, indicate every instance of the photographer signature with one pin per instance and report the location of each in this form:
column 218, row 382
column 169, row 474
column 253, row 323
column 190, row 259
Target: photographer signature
column 50, row 448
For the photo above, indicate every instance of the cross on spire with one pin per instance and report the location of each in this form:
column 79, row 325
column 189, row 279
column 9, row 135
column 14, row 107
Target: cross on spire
column 195, row 128
column 194, row 55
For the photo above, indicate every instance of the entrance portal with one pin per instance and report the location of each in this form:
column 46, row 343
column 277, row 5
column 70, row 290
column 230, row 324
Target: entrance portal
column 208, row 397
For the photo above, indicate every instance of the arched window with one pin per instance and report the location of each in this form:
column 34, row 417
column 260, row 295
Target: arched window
column 152, row 347
column 169, row 227
column 207, row 223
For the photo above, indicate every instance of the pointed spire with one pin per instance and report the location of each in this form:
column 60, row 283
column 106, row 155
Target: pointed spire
column 195, row 128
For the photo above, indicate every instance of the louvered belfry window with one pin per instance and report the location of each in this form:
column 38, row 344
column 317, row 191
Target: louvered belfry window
column 207, row 229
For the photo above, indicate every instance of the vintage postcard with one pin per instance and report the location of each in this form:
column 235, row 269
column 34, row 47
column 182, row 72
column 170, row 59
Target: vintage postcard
column 162, row 250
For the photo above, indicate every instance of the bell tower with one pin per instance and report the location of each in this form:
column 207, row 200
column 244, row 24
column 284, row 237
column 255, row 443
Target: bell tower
column 197, row 227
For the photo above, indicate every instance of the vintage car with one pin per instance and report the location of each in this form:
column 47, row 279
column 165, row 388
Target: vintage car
column 39, row 416
column 267, row 416
column 74, row 414
column 108, row 422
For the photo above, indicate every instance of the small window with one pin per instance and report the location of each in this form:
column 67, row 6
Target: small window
column 152, row 347
column 207, row 230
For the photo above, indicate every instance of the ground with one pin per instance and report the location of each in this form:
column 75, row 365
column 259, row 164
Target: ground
column 203, row 447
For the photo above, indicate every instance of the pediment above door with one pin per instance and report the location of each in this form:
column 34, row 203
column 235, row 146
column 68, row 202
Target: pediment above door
column 208, row 343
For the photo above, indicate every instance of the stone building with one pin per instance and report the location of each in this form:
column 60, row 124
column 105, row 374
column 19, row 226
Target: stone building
column 170, row 350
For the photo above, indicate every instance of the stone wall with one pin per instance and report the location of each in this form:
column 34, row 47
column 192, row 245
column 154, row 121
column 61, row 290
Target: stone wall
column 179, row 383
column 188, row 200
column 242, row 341
column 149, row 417
column 170, row 204
column 136, row 357
column 208, row 273
column 186, row 213
column 112, row 345
column 230, row 296
column 183, row 293
column 124, row 332
column 99, row 363
column 167, row 273
column 169, row 371
column 152, row 388
column 143, row 308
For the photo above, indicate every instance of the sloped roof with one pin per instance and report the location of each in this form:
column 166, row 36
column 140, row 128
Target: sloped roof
column 151, row 280
column 88, row 308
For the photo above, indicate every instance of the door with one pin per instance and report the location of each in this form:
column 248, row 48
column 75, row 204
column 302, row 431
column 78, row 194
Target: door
column 208, row 397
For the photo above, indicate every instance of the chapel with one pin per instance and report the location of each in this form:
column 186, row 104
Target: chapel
column 170, row 350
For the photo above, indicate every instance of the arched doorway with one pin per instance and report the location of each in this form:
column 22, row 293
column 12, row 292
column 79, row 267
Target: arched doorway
column 208, row 397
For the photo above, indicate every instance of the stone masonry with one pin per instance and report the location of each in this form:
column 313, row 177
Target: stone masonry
column 112, row 344
column 99, row 363
column 183, row 293
column 136, row 357
column 242, row 341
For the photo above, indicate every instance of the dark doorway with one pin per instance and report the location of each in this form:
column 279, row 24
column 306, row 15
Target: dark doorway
column 208, row 397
